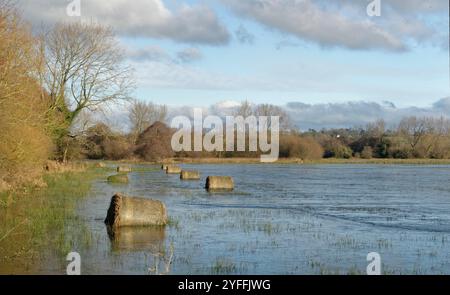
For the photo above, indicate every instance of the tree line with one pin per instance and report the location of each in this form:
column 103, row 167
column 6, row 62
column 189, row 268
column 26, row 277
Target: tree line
column 150, row 139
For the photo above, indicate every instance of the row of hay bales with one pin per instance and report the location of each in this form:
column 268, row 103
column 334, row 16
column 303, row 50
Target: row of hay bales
column 126, row 211
column 213, row 183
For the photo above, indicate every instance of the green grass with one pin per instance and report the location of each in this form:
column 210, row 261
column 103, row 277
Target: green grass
column 38, row 222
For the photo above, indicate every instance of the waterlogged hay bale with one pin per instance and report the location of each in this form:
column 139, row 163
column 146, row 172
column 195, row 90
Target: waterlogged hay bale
column 189, row 175
column 118, row 178
column 124, row 169
column 131, row 211
column 172, row 169
column 217, row 183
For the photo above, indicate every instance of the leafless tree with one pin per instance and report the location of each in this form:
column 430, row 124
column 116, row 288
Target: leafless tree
column 413, row 129
column 84, row 69
column 269, row 110
column 143, row 114
column 245, row 110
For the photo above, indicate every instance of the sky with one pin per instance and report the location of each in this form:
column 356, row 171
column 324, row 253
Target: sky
column 300, row 54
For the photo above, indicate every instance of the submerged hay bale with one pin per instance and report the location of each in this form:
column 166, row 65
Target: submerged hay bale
column 189, row 175
column 219, row 183
column 123, row 169
column 172, row 169
column 118, row 178
column 130, row 211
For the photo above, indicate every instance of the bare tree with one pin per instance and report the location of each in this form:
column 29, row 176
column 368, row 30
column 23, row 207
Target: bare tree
column 412, row 129
column 376, row 129
column 143, row 114
column 436, row 134
column 269, row 110
column 83, row 69
column 245, row 110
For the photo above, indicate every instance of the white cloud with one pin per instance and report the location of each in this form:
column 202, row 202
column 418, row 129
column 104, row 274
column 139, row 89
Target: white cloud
column 344, row 23
column 142, row 18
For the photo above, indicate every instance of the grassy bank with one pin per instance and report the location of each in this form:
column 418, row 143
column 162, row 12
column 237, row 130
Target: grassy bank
column 37, row 224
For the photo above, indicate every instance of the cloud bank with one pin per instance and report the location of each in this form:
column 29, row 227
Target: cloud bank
column 308, row 116
column 345, row 23
column 140, row 18
column 334, row 115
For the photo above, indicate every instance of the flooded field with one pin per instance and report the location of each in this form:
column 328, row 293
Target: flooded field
column 281, row 219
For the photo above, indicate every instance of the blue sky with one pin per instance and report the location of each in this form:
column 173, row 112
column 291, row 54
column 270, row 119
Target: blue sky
column 198, row 53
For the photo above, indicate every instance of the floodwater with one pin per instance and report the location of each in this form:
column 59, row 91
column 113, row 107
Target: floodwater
column 280, row 219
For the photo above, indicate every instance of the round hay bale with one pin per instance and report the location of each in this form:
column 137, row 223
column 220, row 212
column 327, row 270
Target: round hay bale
column 131, row 211
column 189, row 175
column 123, row 169
column 172, row 169
column 118, row 178
column 218, row 183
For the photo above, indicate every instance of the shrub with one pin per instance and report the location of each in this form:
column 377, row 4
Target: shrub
column 294, row 146
column 24, row 142
column 367, row 152
column 155, row 143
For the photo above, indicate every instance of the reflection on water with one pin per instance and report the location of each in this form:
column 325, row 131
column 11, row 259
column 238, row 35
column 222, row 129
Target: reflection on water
column 124, row 239
column 281, row 219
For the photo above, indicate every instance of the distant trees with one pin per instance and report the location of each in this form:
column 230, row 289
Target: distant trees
column 412, row 130
column 143, row 114
column 245, row 109
column 102, row 143
column 424, row 137
column 414, row 137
